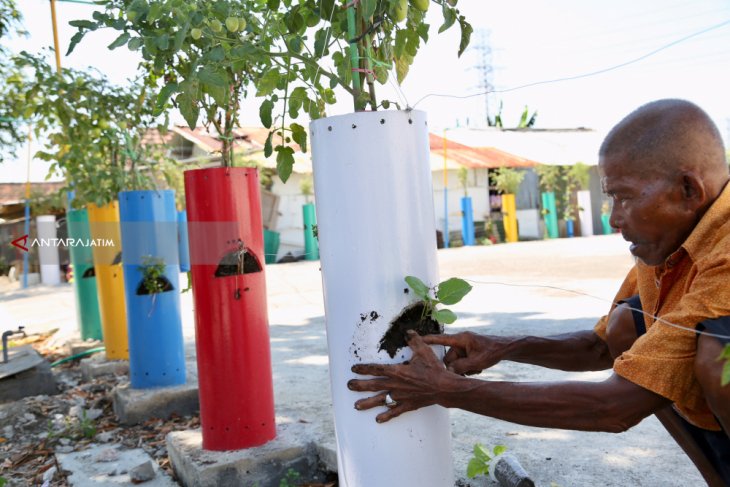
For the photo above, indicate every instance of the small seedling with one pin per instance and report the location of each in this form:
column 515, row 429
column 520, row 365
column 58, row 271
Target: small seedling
column 725, row 355
column 481, row 462
column 3, row 481
column 190, row 282
column 448, row 292
column 152, row 270
column 291, row 479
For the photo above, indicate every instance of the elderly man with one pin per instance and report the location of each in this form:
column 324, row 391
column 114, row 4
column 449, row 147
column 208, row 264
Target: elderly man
column 664, row 168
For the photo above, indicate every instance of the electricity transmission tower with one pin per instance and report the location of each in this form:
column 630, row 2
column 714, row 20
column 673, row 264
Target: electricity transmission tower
column 484, row 69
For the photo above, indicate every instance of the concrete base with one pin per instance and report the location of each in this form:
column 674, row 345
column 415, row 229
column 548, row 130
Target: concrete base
column 77, row 346
column 26, row 374
column 133, row 406
column 263, row 466
column 98, row 365
column 109, row 465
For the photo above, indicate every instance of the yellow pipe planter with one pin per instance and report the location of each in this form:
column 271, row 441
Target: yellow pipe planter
column 104, row 225
column 509, row 210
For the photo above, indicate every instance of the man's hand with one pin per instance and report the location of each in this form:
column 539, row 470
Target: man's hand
column 469, row 353
column 412, row 385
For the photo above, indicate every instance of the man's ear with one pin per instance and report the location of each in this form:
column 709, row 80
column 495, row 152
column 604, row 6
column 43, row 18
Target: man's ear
column 694, row 191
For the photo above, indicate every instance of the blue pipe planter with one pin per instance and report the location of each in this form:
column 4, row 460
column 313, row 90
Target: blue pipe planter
column 183, row 243
column 150, row 241
column 467, row 221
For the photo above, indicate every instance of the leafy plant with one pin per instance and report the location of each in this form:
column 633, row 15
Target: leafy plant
column 306, row 186
column 725, row 355
column 46, row 204
column 581, row 174
column 508, row 180
column 463, row 176
column 12, row 133
column 291, row 478
column 448, row 292
column 153, row 270
column 482, row 460
column 548, row 177
column 527, row 120
column 93, row 130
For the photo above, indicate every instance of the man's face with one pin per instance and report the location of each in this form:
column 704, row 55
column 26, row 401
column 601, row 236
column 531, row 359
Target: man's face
column 650, row 211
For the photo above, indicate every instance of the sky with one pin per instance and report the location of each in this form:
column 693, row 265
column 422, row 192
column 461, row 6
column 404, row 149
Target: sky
column 529, row 42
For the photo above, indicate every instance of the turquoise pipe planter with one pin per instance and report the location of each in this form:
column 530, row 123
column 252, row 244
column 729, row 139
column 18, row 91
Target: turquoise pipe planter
column 551, row 215
column 87, row 300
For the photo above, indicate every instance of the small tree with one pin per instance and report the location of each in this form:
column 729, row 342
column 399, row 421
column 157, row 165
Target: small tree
column 508, row 180
column 580, row 173
column 548, row 176
column 463, row 176
column 11, row 130
column 93, row 130
column 306, row 186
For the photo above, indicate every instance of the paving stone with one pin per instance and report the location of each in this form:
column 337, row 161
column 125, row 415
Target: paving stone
column 263, row 466
column 96, row 467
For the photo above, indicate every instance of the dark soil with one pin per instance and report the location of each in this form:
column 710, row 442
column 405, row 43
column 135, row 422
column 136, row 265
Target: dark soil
column 162, row 282
column 409, row 319
column 238, row 262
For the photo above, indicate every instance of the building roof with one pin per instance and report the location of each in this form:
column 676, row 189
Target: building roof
column 545, row 146
column 458, row 154
column 14, row 193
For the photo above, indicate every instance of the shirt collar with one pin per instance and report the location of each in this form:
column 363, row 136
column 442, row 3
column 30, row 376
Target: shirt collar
column 717, row 215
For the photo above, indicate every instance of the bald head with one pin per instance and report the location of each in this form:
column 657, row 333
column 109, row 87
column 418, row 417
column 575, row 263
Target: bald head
column 666, row 136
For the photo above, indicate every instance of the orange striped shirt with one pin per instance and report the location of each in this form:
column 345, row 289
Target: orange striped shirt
column 692, row 285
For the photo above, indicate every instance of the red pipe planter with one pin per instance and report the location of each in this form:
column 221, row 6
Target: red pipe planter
column 231, row 324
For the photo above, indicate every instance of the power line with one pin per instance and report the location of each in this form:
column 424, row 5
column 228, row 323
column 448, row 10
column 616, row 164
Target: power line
column 584, row 75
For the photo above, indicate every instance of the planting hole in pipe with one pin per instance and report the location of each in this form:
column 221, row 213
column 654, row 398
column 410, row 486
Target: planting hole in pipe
column 90, row 272
column 413, row 317
column 236, row 262
column 161, row 282
column 118, row 259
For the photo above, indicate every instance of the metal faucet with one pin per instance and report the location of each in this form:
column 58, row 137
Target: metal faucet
column 7, row 335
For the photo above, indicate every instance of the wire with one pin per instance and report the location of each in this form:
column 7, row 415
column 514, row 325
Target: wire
column 581, row 293
column 584, row 75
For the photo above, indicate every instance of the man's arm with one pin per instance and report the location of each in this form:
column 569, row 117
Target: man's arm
column 470, row 353
column 612, row 405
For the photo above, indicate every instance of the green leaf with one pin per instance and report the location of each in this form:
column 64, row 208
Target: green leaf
column 452, row 290
column 499, row 449
column 445, row 316
column 213, row 76
column 481, row 453
column 418, row 286
column 155, row 12
column 267, row 83
column 725, row 380
column 265, row 115
column 74, row 41
column 268, row 149
column 83, row 24
column 475, row 467
column 272, row 4
column 180, row 36
column 449, row 18
column 219, row 94
column 164, row 96
column 400, row 43
column 217, row 54
column 367, row 8
column 284, row 162
column 725, row 354
column 189, row 109
column 119, row 41
column 401, row 68
column 466, row 31
column 299, row 134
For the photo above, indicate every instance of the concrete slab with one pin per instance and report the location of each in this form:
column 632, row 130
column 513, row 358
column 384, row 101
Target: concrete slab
column 102, row 465
column 26, row 374
column 77, row 346
column 98, row 365
column 263, row 466
column 20, row 359
column 133, row 406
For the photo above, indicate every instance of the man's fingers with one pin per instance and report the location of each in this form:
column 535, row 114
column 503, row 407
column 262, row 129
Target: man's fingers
column 454, row 353
column 372, row 385
column 371, row 369
column 392, row 413
column 464, row 366
column 371, row 402
column 448, row 340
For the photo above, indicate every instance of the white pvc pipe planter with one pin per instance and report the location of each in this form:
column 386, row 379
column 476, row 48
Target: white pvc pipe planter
column 584, row 213
column 47, row 250
column 375, row 211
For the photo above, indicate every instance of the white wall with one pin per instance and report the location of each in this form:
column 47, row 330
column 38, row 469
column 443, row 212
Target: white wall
column 290, row 224
column 477, row 188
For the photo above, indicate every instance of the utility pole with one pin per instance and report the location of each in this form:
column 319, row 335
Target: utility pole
column 485, row 69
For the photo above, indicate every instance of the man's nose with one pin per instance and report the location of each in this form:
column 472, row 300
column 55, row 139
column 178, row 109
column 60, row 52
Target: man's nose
column 616, row 219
